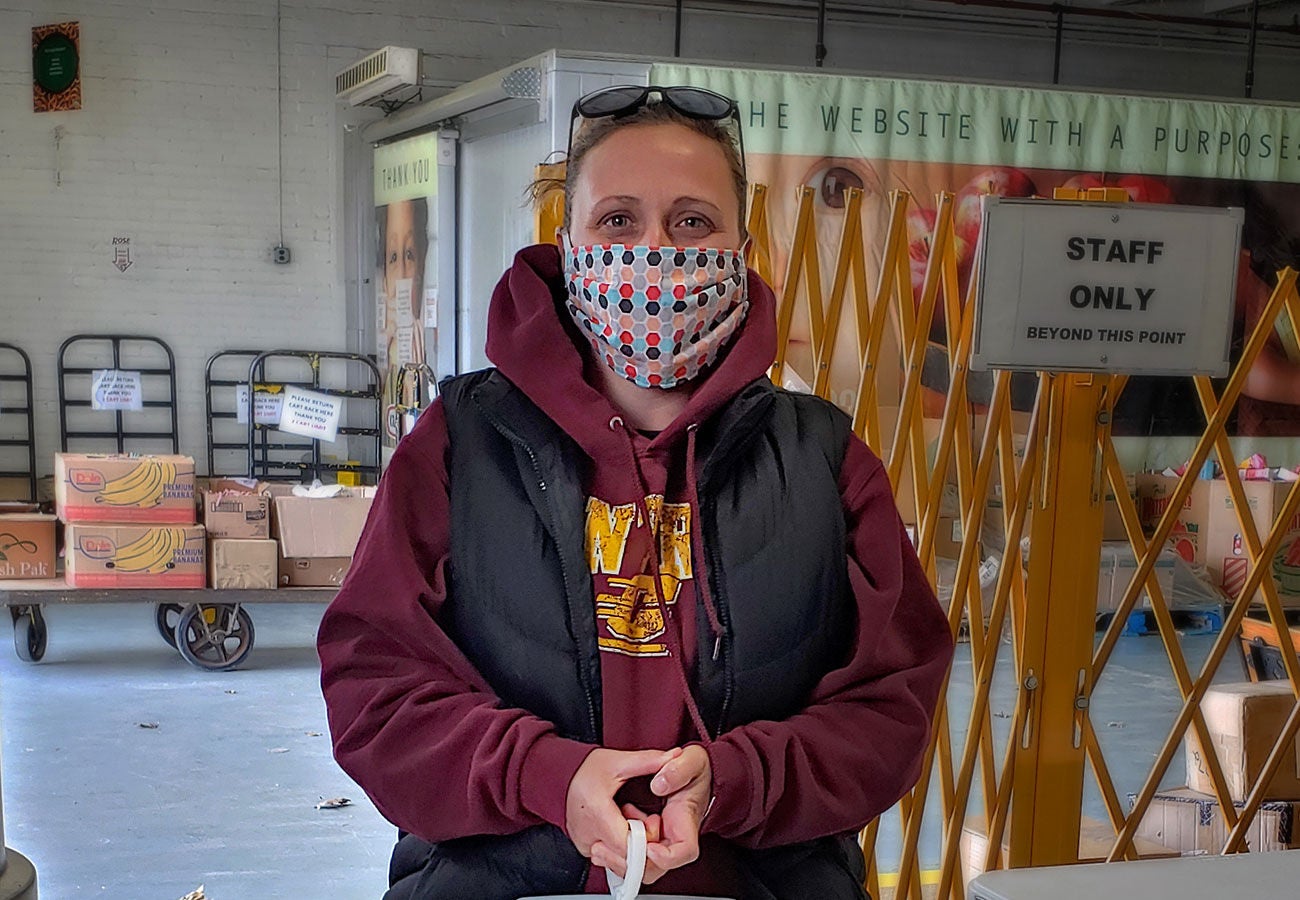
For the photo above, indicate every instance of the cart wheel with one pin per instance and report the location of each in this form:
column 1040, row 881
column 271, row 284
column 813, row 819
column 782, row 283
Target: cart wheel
column 214, row 637
column 166, row 616
column 30, row 634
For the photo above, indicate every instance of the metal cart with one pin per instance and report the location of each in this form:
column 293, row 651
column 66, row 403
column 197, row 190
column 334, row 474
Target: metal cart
column 141, row 431
column 17, row 426
column 276, row 456
column 210, row 628
column 202, row 624
column 241, row 446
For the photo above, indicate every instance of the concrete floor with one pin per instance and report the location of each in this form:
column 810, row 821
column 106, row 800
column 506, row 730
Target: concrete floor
column 222, row 792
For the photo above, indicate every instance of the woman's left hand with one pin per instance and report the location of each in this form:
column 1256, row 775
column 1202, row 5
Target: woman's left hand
column 686, row 783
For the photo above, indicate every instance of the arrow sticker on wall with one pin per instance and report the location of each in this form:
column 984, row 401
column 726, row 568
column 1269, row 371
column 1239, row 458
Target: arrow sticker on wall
column 122, row 253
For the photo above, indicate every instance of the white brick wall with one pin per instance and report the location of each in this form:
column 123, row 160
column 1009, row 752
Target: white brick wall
column 176, row 147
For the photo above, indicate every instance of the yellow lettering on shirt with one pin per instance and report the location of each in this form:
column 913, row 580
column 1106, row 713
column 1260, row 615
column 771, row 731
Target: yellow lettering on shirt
column 607, row 530
column 633, row 618
column 627, row 605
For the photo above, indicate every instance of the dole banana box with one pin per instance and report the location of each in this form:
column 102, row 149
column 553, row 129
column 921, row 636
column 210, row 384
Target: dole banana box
column 124, row 489
column 124, row 556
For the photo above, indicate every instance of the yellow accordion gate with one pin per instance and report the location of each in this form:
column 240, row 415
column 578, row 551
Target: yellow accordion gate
column 1030, row 791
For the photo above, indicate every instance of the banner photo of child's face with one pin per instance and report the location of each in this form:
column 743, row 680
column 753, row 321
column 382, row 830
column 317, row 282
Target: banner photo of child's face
column 402, row 229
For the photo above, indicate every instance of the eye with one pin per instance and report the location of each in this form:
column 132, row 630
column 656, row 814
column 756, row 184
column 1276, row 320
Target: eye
column 392, row 257
column 617, row 220
column 695, row 223
column 831, row 178
column 410, row 255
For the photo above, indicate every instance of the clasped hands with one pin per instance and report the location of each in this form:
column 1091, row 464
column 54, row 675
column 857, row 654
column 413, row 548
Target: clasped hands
column 598, row 827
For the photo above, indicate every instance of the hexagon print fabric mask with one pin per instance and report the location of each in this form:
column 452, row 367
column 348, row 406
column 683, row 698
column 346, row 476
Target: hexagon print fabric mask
column 658, row 316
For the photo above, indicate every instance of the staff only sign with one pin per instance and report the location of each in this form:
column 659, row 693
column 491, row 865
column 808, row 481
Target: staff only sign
column 1084, row 286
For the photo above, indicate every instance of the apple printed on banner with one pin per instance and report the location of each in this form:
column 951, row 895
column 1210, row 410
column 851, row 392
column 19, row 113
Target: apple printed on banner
column 999, row 181
column 1145, row 189
column 920, row 230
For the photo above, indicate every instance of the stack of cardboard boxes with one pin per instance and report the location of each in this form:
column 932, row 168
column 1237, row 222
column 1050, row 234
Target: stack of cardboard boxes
column 262, row 536
column 241, row 554
column 1207, row 532
column 129, row 521
column 1244, row 721
column 318, row 535
column 132, row 521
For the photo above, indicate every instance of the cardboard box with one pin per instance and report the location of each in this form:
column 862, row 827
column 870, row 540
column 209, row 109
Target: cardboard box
column 1191, row 822
column 26, row 545
column 1095, row 842
column 241, row 564
column 314, row 571
column 1245, row 721
column 237, row 514
column 948, row 539
column 121, row 556
column 1225, row 543
column 137, row 489
column 1191, row 530
column 326, row 527
column 15, row 489
column 1112, row 528
column 1117, row 567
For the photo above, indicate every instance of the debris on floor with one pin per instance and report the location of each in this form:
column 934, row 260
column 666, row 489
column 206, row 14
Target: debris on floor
column 151, row 726
column 312, row 733
column 1114, row 724
column 196, row 894
column 229, row 691
column 278, row 750
column 335, row 803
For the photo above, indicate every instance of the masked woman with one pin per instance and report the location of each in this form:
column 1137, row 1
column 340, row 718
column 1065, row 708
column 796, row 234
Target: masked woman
column 621, row 575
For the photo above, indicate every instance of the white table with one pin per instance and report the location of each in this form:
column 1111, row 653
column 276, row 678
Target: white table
column 1237, row 877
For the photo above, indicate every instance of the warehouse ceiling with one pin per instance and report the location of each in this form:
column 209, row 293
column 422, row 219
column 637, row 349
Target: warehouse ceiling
column 1276, row 19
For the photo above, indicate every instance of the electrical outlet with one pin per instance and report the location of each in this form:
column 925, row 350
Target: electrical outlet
column 280, row 254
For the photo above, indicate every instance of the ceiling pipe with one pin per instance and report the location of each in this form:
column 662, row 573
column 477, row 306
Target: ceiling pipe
column 821, row 32
column 1250, row 48
column 1056, row 55
column 774, row 7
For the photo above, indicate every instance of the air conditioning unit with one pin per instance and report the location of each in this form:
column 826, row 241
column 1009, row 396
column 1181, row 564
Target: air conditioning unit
column 378, row 75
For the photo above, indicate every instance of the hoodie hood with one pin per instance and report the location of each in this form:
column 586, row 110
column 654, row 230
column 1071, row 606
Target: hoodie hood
column 532, row 341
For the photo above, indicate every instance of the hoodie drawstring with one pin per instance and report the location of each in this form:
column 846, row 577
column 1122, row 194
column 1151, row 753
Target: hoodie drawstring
column 670, row 627
column 697, row 543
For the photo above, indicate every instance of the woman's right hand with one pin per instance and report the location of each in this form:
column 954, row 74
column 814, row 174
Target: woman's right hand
column 590, row 814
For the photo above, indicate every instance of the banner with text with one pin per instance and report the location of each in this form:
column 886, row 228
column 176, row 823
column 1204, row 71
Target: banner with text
column 880, row 134
column 406, row 277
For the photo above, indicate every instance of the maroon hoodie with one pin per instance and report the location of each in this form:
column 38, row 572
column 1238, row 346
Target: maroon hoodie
column 421, row 731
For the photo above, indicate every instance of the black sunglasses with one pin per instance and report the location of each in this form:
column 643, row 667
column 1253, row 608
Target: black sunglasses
column 692, row 102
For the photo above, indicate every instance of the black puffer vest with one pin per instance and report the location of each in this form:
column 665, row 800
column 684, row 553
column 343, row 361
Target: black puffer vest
column 520, row 607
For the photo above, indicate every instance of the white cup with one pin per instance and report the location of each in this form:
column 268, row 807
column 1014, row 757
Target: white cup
column 627, row 887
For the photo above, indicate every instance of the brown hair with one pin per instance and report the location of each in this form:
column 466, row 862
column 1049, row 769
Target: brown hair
column 590, row 132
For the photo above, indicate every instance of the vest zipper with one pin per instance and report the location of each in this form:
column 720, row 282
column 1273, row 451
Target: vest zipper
column 724, row 616
column 564, row 570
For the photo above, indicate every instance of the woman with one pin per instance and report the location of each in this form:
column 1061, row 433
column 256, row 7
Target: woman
column 622, row 576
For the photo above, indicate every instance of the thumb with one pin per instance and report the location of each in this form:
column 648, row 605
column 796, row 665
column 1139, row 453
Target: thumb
column 676, row 774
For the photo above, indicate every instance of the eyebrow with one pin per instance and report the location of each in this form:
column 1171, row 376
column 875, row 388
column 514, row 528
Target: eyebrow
column 628, row 198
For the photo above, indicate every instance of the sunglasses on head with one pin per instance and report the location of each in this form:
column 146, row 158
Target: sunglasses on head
column 624, row 100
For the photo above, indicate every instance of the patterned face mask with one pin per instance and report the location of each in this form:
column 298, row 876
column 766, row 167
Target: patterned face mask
column 658, row 316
